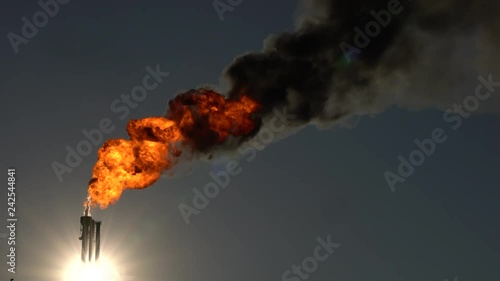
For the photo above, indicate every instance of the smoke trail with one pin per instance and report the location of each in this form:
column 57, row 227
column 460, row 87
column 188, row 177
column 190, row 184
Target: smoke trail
column 428, row 55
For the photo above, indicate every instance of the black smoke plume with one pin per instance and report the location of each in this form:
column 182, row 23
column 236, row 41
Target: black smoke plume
column 430, row 54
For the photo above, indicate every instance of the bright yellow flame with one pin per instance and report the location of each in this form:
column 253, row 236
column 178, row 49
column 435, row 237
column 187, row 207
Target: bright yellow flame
column 103, row 270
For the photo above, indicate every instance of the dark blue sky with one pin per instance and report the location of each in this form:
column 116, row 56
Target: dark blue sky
column 440, row 223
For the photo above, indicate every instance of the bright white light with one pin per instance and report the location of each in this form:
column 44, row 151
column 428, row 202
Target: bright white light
column 103, row 270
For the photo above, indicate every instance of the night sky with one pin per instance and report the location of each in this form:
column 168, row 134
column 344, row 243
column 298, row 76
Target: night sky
column 440, row 223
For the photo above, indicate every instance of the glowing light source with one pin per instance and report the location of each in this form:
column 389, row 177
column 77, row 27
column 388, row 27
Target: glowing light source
column 103, row 270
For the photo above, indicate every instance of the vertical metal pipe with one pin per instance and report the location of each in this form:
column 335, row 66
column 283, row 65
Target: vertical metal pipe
column 85, row 231
column 91, row 239
column 97, row 240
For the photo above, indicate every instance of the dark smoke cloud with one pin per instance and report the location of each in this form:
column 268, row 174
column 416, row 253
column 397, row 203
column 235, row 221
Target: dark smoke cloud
column 429, row 55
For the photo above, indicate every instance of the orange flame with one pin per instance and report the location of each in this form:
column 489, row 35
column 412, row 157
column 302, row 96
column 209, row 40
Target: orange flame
column 198, row 119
